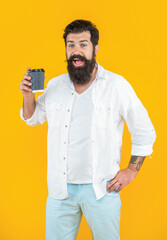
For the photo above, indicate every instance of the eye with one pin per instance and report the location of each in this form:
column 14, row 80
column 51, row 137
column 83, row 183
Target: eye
column 70, row 45
column 83, row 45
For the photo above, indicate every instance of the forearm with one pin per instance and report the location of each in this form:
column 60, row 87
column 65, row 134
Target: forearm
column 135, row 163
column 28, row 106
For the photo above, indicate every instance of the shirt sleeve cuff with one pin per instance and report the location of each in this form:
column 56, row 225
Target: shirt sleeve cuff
column 29, row 121
column 142, row 150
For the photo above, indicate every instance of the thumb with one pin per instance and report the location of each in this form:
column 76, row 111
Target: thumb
column 28, row 69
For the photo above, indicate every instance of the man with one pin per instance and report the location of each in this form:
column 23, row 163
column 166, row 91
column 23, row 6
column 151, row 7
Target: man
column 86, row 109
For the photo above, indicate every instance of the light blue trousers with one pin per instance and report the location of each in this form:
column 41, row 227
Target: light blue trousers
column 63, row 216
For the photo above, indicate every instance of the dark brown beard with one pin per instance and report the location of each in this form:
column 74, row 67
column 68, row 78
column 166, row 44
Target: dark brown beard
column 81, row 75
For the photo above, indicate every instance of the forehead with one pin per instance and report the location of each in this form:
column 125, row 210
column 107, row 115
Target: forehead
column 79, row 36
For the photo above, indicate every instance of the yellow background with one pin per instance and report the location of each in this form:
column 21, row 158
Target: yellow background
column 132, row 44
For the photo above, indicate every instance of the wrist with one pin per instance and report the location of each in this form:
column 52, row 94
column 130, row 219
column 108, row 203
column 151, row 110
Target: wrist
column 133, row 171
column 29, row 96
column 29, row 100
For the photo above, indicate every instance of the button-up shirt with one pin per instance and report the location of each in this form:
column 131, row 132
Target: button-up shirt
column 114, row 102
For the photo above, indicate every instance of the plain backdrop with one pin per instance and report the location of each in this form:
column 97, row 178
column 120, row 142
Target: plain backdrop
column 132, row 44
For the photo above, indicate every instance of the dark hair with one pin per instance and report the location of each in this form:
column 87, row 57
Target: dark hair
column 79, row 26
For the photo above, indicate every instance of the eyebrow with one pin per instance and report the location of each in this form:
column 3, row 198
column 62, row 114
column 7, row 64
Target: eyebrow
column 79, row 41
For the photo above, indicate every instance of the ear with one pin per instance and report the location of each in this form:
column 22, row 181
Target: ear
column 96, row 49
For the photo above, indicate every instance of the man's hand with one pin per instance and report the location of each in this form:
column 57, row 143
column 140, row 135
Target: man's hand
column 125, row 176
column 122, row 178
column 25, row 85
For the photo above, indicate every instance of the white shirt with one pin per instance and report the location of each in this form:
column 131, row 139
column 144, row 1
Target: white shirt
column 79, row 155
column 114, row 102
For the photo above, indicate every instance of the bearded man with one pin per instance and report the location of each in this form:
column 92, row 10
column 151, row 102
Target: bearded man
column 86, row 109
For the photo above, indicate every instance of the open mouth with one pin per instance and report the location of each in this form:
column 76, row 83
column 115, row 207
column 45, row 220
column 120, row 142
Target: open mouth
column 78, row 62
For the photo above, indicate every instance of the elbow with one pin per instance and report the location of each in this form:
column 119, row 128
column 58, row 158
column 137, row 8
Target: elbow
column 142, row 145
column 32, row 124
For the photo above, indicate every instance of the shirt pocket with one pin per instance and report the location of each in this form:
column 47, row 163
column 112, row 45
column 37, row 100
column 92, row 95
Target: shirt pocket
column 104, row 114
column 53, row 111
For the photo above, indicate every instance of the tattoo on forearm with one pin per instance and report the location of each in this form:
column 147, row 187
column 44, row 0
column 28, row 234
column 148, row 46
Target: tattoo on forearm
column 133, row 159
column 140, row 163
column 138, row 160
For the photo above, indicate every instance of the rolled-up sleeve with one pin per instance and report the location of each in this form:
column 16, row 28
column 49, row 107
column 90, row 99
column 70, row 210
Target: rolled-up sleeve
column 137, row 119
column 39, row 115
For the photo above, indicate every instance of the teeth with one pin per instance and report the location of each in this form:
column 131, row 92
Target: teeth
column 77, row 59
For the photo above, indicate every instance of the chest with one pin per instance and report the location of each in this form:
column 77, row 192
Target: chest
column 60, row 102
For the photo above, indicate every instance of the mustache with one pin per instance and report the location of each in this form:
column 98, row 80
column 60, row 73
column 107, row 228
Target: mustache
column 79, row 57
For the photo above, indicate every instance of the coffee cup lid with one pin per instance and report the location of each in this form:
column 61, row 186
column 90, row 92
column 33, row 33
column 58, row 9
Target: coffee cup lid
column 37, row 70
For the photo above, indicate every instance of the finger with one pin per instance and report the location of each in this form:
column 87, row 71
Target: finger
column 113, row 181
column 23, row 87
column 113, row 187
column 28, row 69
column 119, row 189
column 26, row 82
column 26, row 77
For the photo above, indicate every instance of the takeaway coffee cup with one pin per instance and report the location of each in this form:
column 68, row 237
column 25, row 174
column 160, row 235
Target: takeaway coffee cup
column 37, row 79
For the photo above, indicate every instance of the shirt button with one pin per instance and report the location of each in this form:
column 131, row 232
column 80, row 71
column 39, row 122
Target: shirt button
column 68, row 110
column 64, row 158
column 66, row 126
column 64, row 173
column 64, row 142
column 72, row 93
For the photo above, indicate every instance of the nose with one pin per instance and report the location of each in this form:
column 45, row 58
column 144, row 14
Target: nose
column 77, row 50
